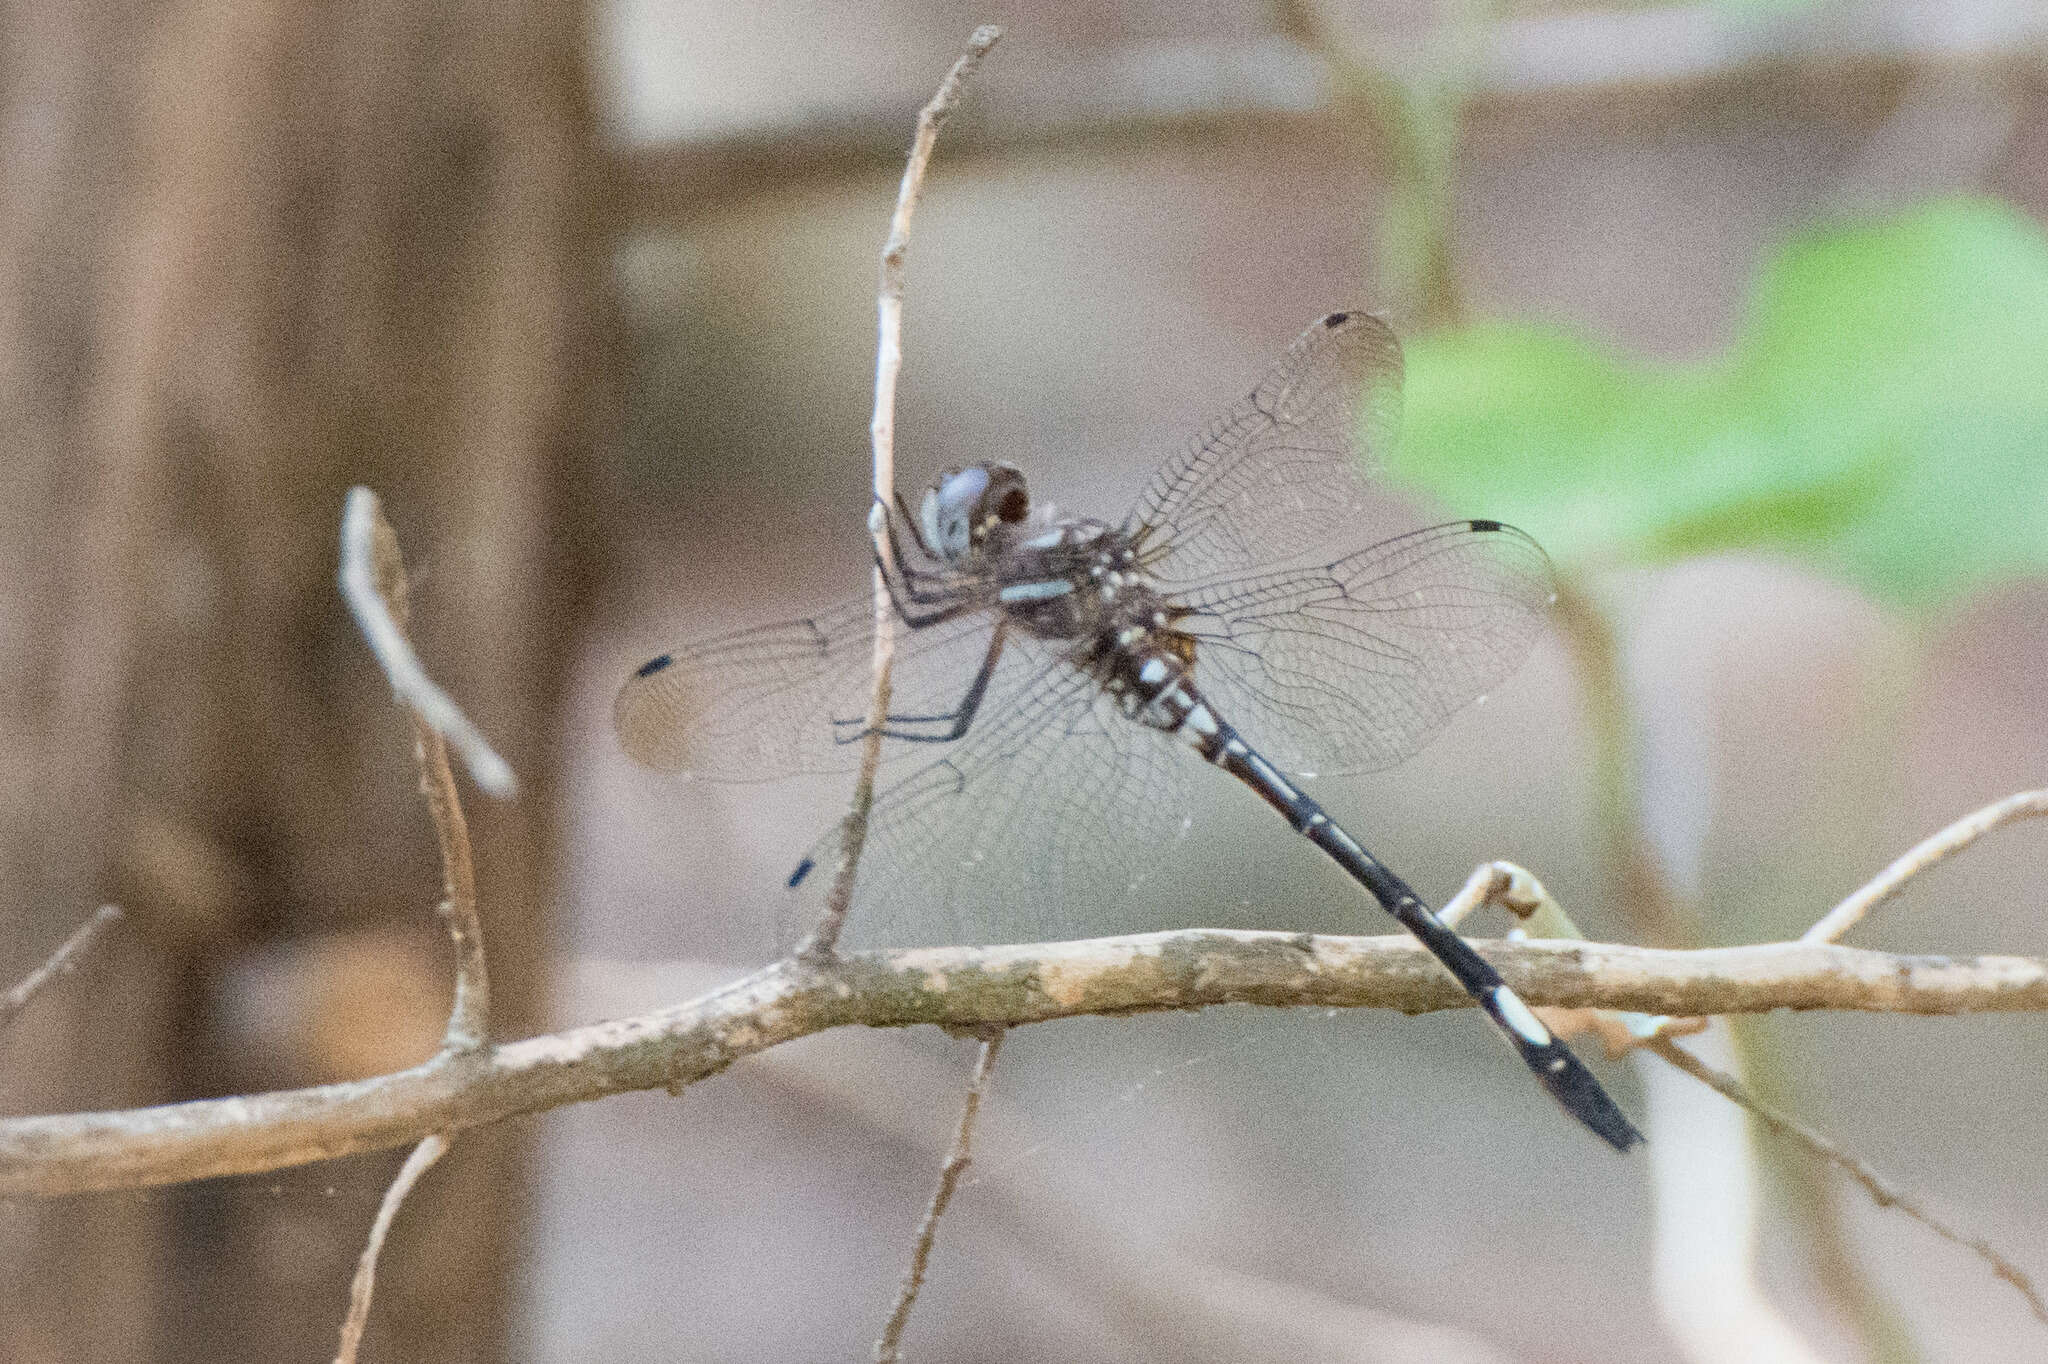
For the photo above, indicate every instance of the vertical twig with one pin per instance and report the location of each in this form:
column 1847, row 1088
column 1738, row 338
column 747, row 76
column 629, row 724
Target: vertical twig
column 824, row 940
column 365, row 1281
column 1882, row 1191
column 66, row 958
column 889, row 1348
column 373, row 579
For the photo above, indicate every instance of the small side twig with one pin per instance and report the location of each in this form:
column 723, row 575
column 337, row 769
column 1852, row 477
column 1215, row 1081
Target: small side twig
column 373, row 566
column 66, row 958
column 1881, row 1190
column 824, row 940
column 1922, row 855
column 1511, row 887
column 367, row 545
column 889, row 1348
column 364, row 1284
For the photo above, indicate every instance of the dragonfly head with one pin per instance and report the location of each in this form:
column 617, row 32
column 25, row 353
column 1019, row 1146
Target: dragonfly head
column 966, row 504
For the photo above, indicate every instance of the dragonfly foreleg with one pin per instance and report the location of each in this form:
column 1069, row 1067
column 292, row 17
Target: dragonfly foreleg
column 956, row 720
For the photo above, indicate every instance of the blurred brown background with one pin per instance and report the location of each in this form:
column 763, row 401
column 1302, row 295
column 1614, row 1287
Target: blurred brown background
column 587, row 295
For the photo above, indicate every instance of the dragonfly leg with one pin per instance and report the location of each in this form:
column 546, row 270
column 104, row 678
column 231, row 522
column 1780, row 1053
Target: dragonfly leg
column 956, row 720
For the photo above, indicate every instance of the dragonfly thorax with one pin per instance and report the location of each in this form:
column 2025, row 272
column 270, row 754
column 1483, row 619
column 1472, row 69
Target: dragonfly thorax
column 1077, row 580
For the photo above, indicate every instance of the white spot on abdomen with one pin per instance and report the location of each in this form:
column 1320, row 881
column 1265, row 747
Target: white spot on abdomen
column 1518, row 1016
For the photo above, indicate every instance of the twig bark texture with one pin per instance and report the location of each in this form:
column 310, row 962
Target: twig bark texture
column 964, row 988
column 824, row 941
column 66, row 958
column 889, row 1348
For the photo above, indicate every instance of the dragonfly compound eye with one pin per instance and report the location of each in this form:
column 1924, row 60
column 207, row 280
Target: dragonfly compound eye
column 1008, row 499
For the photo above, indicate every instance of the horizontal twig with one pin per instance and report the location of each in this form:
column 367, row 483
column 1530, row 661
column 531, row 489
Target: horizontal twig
column 679, row 169
column 964, row 988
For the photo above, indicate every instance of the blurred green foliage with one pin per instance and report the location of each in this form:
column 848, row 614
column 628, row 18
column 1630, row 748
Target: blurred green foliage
column 1883, row 414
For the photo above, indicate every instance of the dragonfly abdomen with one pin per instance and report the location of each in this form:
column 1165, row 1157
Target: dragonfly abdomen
column 1161, row 694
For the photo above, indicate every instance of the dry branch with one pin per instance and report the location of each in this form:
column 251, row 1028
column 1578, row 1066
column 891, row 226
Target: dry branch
column 373, row 579
column 889, row 1349
column 824, row 940
column 66, row 958
column 964, row 988
column 1929, row 852
column 1885, row 1193
column 367, row 551
column 361, row 1287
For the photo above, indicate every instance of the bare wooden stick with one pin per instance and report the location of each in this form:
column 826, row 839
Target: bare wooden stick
column 1922, row 855
column 1883, row 1191
column 965, row 988
column 889, row 1349
column 361, row 562
column 66, row 958
column 1511, row 887
column 372, row 562
column 365, row 1281
column 823, row 942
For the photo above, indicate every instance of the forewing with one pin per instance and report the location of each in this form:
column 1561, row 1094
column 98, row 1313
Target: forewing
column 781, row 699
column 1355, row 665
column 1019, row 832
column 1280, row 473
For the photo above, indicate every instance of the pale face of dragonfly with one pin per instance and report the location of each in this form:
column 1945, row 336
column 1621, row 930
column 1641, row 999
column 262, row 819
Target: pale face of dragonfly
column 965, row 506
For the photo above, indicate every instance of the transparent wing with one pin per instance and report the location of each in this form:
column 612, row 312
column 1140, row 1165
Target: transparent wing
column 1021, row 830
column 1279, row 474
column 781, row 699
column 1355, row 665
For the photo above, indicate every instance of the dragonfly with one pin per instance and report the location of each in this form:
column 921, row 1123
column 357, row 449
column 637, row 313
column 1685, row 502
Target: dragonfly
column 1061, row 675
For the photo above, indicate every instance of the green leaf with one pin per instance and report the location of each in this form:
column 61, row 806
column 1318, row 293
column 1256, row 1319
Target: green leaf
column 1883, row 414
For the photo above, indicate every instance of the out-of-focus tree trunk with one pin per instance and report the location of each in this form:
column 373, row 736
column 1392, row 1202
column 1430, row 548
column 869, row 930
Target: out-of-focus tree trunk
column 252, row 252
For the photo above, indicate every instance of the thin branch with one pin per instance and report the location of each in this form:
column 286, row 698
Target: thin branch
column 66, row 958
column 365, row 1282
column 373, row 566
column 1490, row 883
column 967, row 989
column 824, row 940
column 1927, row 853
column 367, row 545
column 1883, row 1191
column 889, row 1349
column 469, row 1016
